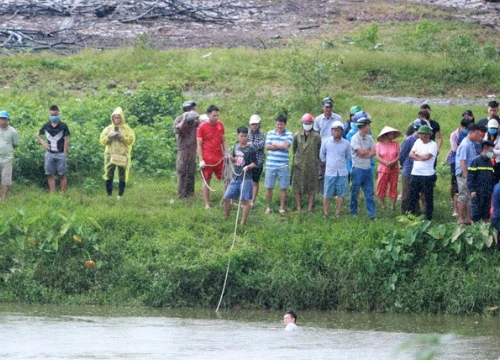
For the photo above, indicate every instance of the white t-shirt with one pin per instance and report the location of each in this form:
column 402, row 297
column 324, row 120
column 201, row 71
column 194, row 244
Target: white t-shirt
column 424, row 168
column 291, row 327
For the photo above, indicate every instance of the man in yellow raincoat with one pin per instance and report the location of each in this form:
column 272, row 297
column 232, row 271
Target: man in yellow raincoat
column 118, row 139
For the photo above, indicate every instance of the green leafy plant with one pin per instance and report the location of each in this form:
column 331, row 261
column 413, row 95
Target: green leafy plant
column 368, row 37
column 310, row 70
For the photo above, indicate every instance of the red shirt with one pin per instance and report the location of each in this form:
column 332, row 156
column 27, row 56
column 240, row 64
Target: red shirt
column 211, row 145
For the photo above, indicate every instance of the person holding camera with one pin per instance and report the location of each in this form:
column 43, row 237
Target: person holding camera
column 118, row 139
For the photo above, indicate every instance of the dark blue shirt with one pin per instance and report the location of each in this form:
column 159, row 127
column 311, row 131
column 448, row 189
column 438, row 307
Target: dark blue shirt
column 404, row 159
column 496, row 202
column 481, row 178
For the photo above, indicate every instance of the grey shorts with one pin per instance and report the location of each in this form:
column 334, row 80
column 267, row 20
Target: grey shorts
column 463, row 191
column 55, row 163
column 6, row 171
column 282, row 175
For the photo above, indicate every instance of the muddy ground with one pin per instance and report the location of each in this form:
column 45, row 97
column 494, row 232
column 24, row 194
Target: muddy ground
column 257, row 25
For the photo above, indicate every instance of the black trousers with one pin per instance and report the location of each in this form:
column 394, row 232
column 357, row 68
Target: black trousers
column 110, row 172
column 425, row 185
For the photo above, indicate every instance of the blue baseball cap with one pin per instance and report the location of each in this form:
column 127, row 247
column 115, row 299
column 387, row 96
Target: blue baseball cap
column 418, row 123
column 4, row 114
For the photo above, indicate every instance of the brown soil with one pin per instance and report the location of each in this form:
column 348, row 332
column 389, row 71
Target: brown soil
column 271, row 21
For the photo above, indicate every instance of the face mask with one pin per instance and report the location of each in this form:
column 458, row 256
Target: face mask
column 54, row 118
column 493, row 131
column 465, row 132
column 307, row 127
column 490, row 154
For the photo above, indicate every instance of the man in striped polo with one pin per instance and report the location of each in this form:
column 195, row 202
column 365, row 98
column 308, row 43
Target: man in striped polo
column 278, row 143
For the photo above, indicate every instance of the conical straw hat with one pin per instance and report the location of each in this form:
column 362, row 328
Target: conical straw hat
column 388, row 129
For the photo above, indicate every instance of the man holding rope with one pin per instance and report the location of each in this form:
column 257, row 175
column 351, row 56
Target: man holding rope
column 244, row 158
column 211, row 145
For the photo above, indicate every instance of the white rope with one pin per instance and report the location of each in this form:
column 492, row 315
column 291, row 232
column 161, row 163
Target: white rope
column 205, row 181
column 232, row 245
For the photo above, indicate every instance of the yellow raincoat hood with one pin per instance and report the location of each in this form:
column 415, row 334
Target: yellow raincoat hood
column 118, row 111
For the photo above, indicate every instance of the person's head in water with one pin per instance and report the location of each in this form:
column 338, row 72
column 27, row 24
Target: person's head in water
column 290, row 318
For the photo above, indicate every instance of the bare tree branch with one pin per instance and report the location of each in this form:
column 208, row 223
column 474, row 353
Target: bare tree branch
column 83, row 15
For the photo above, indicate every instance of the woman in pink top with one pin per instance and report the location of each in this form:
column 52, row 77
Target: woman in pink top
column 387, row 155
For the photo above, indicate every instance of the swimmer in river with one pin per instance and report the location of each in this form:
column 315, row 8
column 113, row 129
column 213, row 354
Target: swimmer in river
column 290, row 320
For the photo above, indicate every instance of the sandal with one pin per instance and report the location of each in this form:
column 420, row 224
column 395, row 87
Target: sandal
column 268, row 211
column 282, row 212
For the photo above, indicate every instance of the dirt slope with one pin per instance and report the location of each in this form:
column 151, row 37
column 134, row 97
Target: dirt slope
column 263, row 21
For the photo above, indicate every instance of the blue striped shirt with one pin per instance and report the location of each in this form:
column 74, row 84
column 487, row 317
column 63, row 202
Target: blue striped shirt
column 281, row 157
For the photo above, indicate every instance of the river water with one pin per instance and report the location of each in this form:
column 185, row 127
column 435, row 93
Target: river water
column 49, row 332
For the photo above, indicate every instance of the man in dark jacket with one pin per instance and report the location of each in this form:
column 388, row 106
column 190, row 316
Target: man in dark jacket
column 480, row 181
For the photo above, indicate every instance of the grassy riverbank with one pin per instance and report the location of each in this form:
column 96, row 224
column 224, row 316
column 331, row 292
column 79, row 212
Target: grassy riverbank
column 151, row 249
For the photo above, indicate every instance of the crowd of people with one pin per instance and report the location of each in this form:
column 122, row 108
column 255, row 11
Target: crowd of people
column 330, row 157
column 337, row 160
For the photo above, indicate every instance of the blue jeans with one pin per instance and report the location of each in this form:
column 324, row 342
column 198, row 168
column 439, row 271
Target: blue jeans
column 362, row 179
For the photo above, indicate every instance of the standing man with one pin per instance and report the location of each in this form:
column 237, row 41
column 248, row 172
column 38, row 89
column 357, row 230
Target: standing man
column 278, row 142
column 306, row 145
column 185, row 127
column 258, row 140
column 423, row 174
column 9, row 140
column 435, row 127
column 362, row 150
column 323, row 125
column 57, row 144
column 240, row 187
column 492, row 113
column 335, row 152
column 406, row 163
column 480, row 181
column 466, row 152
column 211, row 145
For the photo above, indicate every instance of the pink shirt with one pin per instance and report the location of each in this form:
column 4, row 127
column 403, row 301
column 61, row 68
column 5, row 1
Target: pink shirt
column 388, row 152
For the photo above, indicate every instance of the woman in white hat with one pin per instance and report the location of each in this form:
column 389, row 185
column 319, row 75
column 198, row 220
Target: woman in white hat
column 387, row 155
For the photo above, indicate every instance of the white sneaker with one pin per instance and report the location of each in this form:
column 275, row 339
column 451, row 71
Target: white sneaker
column 118, row 197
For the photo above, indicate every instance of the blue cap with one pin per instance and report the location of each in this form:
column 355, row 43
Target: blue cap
column 4, row 114
column 54, row 118
column 418, row 123
column 361, row 118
